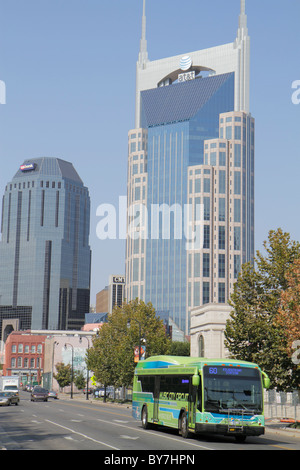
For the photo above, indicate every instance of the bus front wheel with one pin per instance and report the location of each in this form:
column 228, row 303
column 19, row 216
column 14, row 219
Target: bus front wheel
column 145, row 423
column 184, row 426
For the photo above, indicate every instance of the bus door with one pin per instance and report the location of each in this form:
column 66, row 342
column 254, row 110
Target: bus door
column 192, row 406
column 156, row 398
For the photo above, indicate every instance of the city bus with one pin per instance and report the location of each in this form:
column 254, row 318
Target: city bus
column 201, row 396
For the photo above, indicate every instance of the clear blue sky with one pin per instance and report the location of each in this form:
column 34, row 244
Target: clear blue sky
column 69, row 69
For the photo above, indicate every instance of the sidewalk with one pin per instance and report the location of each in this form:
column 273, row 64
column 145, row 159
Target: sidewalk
column 276, row 426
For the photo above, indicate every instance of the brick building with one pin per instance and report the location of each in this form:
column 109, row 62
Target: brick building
column 24, row 356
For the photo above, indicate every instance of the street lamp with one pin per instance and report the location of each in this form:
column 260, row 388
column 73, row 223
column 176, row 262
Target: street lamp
column 87, row 370
column 68, row 344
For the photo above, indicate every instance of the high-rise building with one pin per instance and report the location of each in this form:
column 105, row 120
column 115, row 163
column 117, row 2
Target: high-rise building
column 190, row 177
column 112, row 295
column 44, row 251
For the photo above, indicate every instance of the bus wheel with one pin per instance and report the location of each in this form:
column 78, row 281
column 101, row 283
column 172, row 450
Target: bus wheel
column 183, row 426
column 145, row 423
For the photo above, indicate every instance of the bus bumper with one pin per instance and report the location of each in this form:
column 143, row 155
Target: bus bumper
column 224, row 430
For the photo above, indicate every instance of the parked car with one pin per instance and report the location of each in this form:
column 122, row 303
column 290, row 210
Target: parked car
column 99, row 392
column 52, row 394
column 9, row 398
column 39, row 394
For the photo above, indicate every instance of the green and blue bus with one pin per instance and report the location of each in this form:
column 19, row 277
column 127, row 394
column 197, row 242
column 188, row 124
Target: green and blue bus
column 201, row 396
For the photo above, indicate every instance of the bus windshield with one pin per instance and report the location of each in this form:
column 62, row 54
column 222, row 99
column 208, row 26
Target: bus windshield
column 227, row 387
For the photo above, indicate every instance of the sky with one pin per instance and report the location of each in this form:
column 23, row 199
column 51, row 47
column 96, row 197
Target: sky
column 69, row 72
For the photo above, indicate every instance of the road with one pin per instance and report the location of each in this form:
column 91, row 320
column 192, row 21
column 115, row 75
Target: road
column 66, row 424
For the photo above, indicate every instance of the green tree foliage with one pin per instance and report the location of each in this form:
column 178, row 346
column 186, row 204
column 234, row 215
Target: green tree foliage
column 112, row 356
column 252, row 332
column 63, row 375
column 79, row 380
column 179, row 348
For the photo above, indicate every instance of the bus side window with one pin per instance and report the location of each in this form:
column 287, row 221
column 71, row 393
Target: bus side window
column 147, row 383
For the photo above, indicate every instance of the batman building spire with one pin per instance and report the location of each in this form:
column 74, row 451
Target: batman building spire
column 242, row 46
column 143, row 55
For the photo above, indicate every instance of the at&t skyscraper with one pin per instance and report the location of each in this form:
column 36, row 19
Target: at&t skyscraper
column 190, row 179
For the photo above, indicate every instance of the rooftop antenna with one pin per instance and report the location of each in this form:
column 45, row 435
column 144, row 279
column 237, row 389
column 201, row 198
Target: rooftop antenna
column 143, row 55
column 243, row 29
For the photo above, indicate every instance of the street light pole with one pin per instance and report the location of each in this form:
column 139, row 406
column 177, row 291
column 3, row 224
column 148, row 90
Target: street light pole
column 68, row 344
column 87, row 370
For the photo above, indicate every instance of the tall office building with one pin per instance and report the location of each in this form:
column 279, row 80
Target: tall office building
column 190, row 178
column 44, row 251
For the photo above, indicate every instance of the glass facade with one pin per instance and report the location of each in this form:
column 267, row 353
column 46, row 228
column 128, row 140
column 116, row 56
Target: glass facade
column 177, row 120
column 44, row 251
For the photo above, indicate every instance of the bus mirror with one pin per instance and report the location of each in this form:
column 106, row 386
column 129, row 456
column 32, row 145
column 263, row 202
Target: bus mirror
column 196, row 380
column 266, row 382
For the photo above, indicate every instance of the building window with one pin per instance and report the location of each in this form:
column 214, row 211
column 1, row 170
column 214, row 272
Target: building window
column 19, row 362
column 13, row 348
column 13, row 362
column 205, row 292
column 135, row 269
column 197, row 185
column 205, row 264
column 222, row 159
column 197, row 265
column 222, row 265
column 196, row 294
column 206, row 187
column 221, row 292
column 221, row 238
column 237, row 210
column 222, row 182
column 228, row 132
column 201, row 350
column 237, row 238
column 237, row 265
column 32, row 363
column 237, row 182
column 237, row 132
column 222, row 212
column 206, row 201
column 206, row 238
column 237, row 155
column 26, row 362
column 20, row 348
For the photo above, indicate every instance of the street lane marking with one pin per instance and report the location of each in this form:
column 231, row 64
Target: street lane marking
column 82, row 435
column 156, row 434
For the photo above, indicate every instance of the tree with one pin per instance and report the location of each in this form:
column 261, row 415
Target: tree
column 112, row 355
column 79, row 380
column 288, row 317
column 63, row 375
column 179, row 348
column 252, row 332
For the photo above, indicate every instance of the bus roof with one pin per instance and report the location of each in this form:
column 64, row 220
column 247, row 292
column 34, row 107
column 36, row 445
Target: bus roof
column 164, row 362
